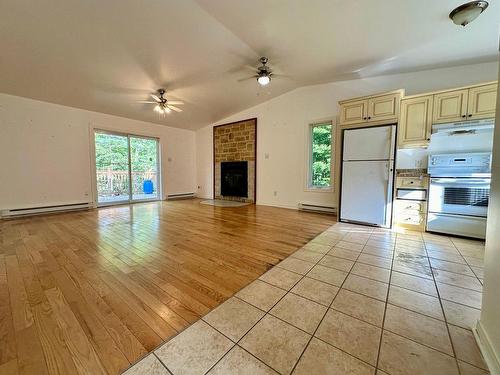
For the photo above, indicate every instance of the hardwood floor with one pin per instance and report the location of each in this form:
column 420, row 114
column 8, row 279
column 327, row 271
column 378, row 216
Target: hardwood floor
column 91, row 292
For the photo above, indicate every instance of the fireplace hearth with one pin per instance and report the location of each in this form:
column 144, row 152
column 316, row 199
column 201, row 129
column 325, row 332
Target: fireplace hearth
column 234, row 179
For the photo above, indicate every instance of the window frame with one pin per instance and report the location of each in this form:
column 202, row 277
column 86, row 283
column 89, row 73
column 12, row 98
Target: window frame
column 309, row 173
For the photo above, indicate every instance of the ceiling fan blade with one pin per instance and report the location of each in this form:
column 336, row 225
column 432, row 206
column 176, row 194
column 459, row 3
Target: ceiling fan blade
column 247, row 78
column 158, row 100
column 146, row 101
column 249, row 67
column 279, row 75
column 174, row 108
column 175, row 102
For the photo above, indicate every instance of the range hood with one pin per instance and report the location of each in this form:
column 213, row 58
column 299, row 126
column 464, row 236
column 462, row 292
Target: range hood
column 463, row 128
column 464, row 137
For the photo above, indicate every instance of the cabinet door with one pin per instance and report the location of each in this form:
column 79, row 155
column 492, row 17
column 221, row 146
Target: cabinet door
column 353, row 112
column 415, row 122
column 482, row 102
column 383, row 107
column 450, row 106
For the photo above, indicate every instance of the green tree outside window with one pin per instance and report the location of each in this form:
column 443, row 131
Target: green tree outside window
column 321, row 154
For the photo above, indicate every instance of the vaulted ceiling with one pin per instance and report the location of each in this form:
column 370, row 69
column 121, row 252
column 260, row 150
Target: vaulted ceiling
column 106, row 56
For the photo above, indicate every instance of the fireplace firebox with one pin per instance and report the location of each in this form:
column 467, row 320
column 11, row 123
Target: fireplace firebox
column 234, row 179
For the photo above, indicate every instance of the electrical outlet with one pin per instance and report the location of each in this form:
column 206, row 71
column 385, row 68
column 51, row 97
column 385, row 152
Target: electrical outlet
column 275, row 193
column 266, row 156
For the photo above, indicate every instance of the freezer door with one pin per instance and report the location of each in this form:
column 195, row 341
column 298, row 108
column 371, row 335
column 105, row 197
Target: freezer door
column 374, row 143
column 366, row 196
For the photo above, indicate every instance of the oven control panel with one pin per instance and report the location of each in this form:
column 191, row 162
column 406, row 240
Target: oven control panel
column 460, row 164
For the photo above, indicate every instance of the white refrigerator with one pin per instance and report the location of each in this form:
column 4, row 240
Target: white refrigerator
column 368, row 175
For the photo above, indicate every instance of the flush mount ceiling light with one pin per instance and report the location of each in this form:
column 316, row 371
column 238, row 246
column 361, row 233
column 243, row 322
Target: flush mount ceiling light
column 466, row 13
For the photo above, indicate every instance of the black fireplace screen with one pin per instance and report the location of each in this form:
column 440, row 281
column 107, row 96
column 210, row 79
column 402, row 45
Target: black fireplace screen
column 234, row 179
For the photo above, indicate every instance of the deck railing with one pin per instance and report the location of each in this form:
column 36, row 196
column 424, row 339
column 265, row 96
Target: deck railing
column 113, row 183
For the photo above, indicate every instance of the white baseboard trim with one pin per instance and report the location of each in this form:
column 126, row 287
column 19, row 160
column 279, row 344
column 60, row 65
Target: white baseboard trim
column 260, row 203
column 484, row 343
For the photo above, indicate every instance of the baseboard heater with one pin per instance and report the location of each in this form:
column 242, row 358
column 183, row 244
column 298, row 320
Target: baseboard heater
column 16, row 212
column 318, row 208
column 172, row 197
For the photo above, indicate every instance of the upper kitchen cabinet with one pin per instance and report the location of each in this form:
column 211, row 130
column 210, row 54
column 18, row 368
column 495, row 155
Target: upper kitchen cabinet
column 353, row 112
column 415, row 122
column 482, row 101
column 419, row 112
column 450, row 106
column 476, row 102
column 383, row 108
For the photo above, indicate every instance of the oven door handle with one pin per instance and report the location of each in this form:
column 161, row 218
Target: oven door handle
column 472, row 181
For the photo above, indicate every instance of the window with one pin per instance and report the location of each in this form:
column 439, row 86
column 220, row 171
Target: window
column 320, row 156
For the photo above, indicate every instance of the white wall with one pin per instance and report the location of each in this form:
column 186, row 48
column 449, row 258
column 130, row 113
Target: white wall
column 489, row 324
column 282, row 125
column 46, row 157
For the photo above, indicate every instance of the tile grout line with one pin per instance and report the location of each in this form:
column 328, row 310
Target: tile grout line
column 442, row 308
column 324, row 315
column 385, row 307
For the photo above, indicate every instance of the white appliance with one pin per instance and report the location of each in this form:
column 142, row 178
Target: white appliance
column 462, row 137
column 368, row 175
column 459, row 193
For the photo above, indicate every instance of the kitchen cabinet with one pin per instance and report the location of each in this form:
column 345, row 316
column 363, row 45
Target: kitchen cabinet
column 383, row 107
column 482, row 102
column 380, row 109
column 409, row 213
column 474, row 103
column 415, row 122
column 450, row 106
column 353, row 112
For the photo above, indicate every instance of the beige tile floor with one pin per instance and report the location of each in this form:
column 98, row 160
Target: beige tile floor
column 355, row 300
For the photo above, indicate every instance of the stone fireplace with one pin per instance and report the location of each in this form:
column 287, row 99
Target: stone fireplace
column 234, row 161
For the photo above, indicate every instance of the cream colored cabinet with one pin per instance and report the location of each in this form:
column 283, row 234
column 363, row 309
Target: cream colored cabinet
column 383, row 107
column 450, row 106
column 477, row 102
column 353, row 112
column 377, row 108
column 415, row 122
column 410, row 214
column 482, row 102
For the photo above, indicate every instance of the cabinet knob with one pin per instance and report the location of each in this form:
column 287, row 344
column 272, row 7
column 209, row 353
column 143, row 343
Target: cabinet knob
column 464, row 116
column 364, row 118
column 369, row 118
column 428, row 139
column 470, row 115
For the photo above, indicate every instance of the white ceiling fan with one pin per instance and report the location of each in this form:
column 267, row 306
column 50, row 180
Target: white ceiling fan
column 163, row 105
column 263, row 74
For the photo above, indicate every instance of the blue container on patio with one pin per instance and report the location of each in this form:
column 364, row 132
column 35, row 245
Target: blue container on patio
column 147, row 187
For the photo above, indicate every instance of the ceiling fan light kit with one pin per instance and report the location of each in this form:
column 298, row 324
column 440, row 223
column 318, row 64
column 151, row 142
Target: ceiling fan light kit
column 468, row 12
column 162, row 105
column 263, row 79
column 263, row 75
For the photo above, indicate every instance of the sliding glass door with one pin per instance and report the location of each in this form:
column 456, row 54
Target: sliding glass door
column 144, row 167
column 126, row 168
